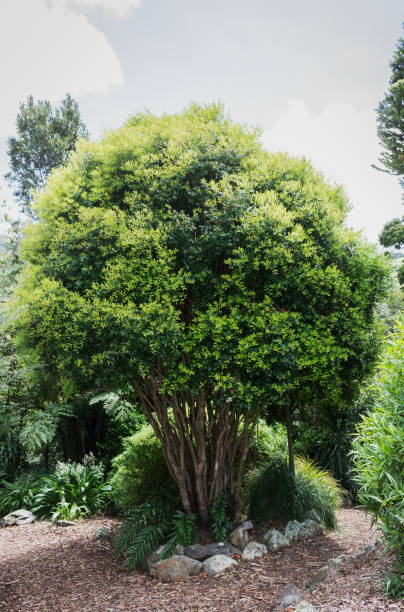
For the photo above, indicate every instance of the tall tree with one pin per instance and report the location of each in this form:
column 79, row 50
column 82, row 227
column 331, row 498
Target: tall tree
column 390, row 117
column 45, row 138
column 180, row 264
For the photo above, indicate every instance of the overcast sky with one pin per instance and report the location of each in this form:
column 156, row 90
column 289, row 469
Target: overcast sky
column 310, row 73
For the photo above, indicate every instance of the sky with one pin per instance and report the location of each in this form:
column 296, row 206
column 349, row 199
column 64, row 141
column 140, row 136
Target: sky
column 309, row 73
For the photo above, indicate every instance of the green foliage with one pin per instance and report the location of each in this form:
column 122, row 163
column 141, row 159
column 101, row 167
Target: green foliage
column 184, row 528
column 221, row 524
column 392, row 234
column 274, row 494
column 178, row 260
column 379, row 455
column 140, row 534
column 73, row 489
column 267, row 440
column 140, row 473
column 45, row 138
column 147, row 526
column 390, row 117
column 18, row 494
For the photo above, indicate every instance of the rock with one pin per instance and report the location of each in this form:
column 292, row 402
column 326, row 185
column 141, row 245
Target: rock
column 222, row 548
column 196, row 551
column 254, row 550
column 179, row 549
column 326, row 571
column 247, row 525
column 150, row 560
column 176, row 568
column 239, row 537
column 18, row 517
column 293, row 531
column 103, row 534
column 305, row 606
column 218, row 564
column 289, row 596
column 275, row 540
column 363, row 552
column 313, row 527
column 314, row 516
column 65, row 523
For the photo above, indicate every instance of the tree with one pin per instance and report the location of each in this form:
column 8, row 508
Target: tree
column 45, row 138
column 392, row 234
column 179, row 264
column 390, row 117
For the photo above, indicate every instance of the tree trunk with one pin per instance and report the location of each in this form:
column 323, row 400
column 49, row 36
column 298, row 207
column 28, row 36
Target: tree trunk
column 205, row 443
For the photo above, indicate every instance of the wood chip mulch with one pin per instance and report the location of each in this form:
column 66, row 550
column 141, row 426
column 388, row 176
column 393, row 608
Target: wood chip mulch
column 44, row 568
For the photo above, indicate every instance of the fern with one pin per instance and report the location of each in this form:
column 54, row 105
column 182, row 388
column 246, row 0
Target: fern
column 144, row 543
column 147, row 526
column 221, row 523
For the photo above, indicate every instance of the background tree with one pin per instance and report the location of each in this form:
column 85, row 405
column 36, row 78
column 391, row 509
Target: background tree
column 179, row 264
column 390, row 118
column 392, row 234
column 45, row 138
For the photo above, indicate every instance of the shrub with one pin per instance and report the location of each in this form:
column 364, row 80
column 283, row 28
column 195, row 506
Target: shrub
column 72, row 491
column 267, row 441
column 18, row 494
column 220, row 522
column 274, row 494
column 140, row 473
column 379, row 457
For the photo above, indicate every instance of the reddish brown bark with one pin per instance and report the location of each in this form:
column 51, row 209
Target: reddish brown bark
column 205, row 443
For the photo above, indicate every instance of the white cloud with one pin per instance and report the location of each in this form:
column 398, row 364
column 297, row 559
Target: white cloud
column 116, row 8
column 342, row 143
column 48, row 51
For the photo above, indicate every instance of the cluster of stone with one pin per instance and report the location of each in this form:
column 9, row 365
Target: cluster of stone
column 216, row 558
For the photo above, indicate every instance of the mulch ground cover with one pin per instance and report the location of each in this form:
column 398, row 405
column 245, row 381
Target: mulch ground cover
column 44, row 568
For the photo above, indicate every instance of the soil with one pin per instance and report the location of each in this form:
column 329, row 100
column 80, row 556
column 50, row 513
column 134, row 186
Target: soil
column 44, row 568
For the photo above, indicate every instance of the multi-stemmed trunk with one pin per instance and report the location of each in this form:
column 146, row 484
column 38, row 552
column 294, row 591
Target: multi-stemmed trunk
column 205, row 443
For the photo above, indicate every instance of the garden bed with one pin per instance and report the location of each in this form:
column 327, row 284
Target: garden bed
column 45, row 568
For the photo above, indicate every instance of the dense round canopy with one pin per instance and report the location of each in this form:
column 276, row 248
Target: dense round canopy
column 177, row 248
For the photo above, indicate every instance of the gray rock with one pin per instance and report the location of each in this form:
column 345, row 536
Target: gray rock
column 289, row 596
column 363, row 552
column 239, row 537
column 275, row 540
column 293, row 531
column 62, row 523
column 305, row 606
column 313, row 515
column 222, row 548
column 176, row 568
column 326, row 571
column 18, row 517
column 313, row 527
column 218, row 564
column 247, row 525
column 103, row 533
column 197, row 551
column 150, row 560
column 254, row 550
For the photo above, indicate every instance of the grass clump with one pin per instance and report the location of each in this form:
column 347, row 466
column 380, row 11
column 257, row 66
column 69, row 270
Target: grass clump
column 275, row 494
